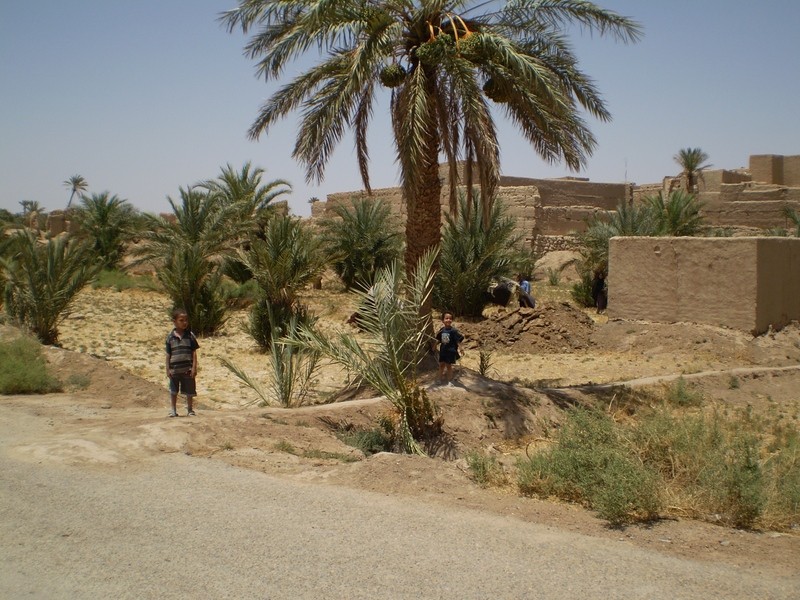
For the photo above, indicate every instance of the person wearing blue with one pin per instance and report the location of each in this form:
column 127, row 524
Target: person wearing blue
column 525, row 298
column 449, row 338
column 181, row 362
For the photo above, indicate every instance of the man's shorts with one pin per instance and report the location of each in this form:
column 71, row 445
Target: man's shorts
column 182, row 383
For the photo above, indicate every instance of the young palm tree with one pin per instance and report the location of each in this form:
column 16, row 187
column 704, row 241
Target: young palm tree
column 793, row 216
column 42, row 279
column 245, row 189
column 626, row 220
column 443, row 59
column 243, row 193
column 473, row 255
column 108, row 222
column 286, row 260
column 677, row 215
column 396, row 330
column 692, row 161
column 187, row 254
column 77, row 185
column 361, row 241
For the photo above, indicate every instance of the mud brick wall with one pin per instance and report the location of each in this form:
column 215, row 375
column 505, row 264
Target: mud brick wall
column 746, row 283
column 776, row 169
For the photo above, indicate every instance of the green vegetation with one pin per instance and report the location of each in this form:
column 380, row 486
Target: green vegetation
column 108, row 222
column 361, row 240
column 187, row 250
column 477, row 249
column 447, row 54
column 676, row 215
column 485, row 470
column 369, row 441
column 42, row 280
column 23, row 369
column 396, row 331
column 120, row 280
column 681, row 394
column 692, row 162
column 484, row 362
column 737, row 470
column 284, row 261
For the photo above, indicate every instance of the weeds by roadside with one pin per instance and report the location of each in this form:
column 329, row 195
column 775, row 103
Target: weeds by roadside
column 735, row 470
column 23, row 369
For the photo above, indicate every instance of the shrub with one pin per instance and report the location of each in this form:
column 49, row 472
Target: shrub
column 23, row 369
column 369, row 441
column 553, row 276
column 590, row 464
column 582, row 289
column 681, row 394
column 484, row 469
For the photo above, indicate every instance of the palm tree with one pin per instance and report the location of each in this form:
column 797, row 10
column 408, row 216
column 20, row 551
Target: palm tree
column 42, row 279
column 677, row 215
column 244, row 188
column 692, row 162
column 473, row 255
column 793, row 216
column 443, row 59
column 361, row 239
column 388, row 354
column 107, row 220
column 286, row 260
column 188, row 253
column 77, row 185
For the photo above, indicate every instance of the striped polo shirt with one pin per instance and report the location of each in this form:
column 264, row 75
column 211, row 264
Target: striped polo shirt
column 180, row 349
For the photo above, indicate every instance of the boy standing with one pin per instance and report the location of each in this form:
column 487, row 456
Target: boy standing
column 449, row 337
column 181, row 362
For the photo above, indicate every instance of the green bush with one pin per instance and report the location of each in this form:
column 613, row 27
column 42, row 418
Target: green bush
column 484, row 469
column 681, row 394
column 23, row 369
column 369, row 441
column 591, row 464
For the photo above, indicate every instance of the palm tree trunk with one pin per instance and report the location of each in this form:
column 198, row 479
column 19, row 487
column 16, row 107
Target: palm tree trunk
column 424, row 210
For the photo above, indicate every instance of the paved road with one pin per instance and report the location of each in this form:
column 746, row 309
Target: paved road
column 182, row 527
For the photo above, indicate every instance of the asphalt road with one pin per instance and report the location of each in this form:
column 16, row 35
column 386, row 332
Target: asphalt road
column 182, row 527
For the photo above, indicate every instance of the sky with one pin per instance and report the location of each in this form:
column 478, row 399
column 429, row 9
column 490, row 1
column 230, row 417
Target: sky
column 145, row 98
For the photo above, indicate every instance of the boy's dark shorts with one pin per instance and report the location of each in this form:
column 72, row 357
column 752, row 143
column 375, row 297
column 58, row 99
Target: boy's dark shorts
column 448, row 356
column 182, row 383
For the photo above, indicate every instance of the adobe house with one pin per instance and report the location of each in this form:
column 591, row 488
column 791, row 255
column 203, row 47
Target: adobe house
column 746, row 283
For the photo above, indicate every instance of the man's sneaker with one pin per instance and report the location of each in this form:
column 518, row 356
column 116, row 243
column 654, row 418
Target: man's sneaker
column 172, row 413
column 190, row 414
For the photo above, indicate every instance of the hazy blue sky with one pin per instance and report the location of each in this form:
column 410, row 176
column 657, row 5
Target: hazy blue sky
column 143, row 97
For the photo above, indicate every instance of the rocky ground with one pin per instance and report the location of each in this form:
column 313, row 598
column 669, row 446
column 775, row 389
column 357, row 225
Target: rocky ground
column 114, row 409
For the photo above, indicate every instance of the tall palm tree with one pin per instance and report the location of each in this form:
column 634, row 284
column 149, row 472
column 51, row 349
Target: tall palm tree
column 77, row 185
column 692, row 161
column 443, row 59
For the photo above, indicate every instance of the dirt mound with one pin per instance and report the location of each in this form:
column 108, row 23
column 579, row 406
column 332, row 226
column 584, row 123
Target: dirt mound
column 545, row 329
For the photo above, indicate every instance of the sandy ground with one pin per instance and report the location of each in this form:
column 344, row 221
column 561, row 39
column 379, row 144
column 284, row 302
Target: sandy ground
column 113, row 415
